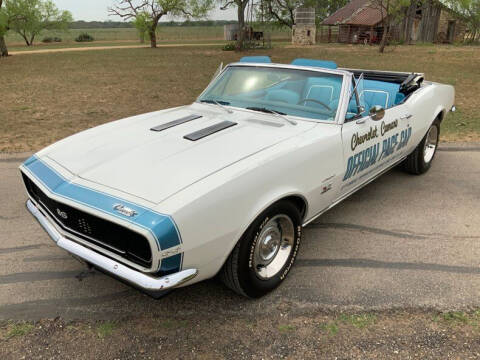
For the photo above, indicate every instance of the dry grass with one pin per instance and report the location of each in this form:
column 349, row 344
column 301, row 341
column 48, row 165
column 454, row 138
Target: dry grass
column 45, row 97
column 164, row 34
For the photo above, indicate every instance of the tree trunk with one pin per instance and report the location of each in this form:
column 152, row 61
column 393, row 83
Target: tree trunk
column 386, row 23
column 383, row 42
column 241, row 26
column 152, row 32
column 3, row 47
column 153, row 38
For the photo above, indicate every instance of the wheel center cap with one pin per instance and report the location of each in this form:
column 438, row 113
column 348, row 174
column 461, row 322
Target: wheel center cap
column 270, row 243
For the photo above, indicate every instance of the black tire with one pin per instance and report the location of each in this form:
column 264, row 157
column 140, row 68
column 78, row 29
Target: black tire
column 415, row 163
column 238, row 272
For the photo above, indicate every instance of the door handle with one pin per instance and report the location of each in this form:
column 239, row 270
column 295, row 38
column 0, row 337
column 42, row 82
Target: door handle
column 406, row 117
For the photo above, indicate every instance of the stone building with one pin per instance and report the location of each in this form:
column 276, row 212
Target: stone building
column 304, row 31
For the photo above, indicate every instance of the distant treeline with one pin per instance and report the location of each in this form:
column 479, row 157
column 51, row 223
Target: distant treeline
column 120, row 24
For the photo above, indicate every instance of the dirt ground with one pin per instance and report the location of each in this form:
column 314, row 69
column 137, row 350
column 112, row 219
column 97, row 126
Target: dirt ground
column 93, row 48
column 290, row 335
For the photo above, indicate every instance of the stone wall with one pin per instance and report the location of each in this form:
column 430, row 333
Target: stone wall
column 446, row 20
column 303, row 34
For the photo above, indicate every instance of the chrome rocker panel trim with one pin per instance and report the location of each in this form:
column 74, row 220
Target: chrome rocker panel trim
column 108, row 265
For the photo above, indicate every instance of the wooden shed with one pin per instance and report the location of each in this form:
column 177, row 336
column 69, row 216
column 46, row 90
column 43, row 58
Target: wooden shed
column 361, row 21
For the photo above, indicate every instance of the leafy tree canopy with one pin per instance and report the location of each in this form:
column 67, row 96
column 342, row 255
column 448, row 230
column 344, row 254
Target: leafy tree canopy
column 30, row 17
column 469, row 11
column 147, row 13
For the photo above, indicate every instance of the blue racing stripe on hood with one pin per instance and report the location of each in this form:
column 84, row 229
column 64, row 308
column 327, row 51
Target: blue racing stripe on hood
column 161, row 226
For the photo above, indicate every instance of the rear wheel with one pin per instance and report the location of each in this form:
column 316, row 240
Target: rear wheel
column 420, row 160
column 266, row 252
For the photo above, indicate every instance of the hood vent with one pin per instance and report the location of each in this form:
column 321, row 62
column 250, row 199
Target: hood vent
column 176, row 122
column 200, row 134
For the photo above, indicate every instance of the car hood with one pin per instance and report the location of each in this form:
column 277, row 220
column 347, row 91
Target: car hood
column 127, row 156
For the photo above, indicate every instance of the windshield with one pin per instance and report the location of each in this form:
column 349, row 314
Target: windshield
column 294, row 92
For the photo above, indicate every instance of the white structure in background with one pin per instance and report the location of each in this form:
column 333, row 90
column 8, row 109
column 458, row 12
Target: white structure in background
column 230, row 32
column 304, row 30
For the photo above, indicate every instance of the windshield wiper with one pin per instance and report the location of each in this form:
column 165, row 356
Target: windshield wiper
column 218, row 103
column 270, row 111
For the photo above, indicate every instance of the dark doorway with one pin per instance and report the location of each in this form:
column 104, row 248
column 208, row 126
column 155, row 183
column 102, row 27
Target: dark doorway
column 451, row 31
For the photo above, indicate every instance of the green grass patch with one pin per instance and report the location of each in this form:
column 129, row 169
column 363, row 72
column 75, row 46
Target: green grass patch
column 105, row 329
column 20, row 329
column 359, row 321
column 286, row 328
column 331, row 328
column 458, row 318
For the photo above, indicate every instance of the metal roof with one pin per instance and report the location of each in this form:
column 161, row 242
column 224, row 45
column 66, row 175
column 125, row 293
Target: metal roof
column 356, row 12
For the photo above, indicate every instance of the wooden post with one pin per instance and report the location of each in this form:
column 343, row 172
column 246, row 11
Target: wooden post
column 329, row 33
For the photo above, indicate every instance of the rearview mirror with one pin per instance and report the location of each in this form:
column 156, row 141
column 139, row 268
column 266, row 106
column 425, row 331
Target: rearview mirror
column 377, row 112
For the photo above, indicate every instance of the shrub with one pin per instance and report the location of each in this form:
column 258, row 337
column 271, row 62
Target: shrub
column 229, row 47
column 84, row 38
column 49, row 39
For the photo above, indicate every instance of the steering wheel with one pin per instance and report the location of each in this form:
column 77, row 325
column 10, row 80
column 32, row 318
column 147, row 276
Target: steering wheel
column 315, row 101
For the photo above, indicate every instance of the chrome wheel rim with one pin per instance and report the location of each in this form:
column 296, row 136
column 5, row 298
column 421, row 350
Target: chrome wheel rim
column 273, row 247
column 430, row 144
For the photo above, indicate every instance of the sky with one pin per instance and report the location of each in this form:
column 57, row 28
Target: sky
column 90, row 10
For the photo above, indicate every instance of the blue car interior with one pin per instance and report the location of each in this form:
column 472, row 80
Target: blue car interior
column 326, row 90
column 374, row 92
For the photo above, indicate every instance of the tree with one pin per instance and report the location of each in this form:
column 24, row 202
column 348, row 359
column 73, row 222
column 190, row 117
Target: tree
column 149, row 12
column 469, row 12
column 391, row 11
column 282, row 12
column 30, row 17
column 142, row 23
column 3, row 31
column 241, row 6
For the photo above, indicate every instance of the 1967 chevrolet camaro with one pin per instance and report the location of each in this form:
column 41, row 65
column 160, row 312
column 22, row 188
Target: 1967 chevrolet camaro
column 225, row 185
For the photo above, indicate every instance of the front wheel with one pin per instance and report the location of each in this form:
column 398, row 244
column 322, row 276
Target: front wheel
column 420, row 160
column 265, row 253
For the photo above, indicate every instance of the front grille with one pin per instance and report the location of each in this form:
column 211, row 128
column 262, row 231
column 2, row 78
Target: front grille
column 108, row 235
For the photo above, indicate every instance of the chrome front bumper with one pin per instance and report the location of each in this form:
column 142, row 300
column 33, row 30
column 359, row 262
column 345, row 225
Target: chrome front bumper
column 111, row 266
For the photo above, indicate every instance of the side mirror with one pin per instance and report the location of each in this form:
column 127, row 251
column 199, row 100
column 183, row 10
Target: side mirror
column 377, row 112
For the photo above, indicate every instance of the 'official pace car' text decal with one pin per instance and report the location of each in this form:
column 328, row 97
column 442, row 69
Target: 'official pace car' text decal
column 375, row 153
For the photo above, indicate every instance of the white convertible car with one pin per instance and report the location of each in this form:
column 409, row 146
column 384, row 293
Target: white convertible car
column 225, row 185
